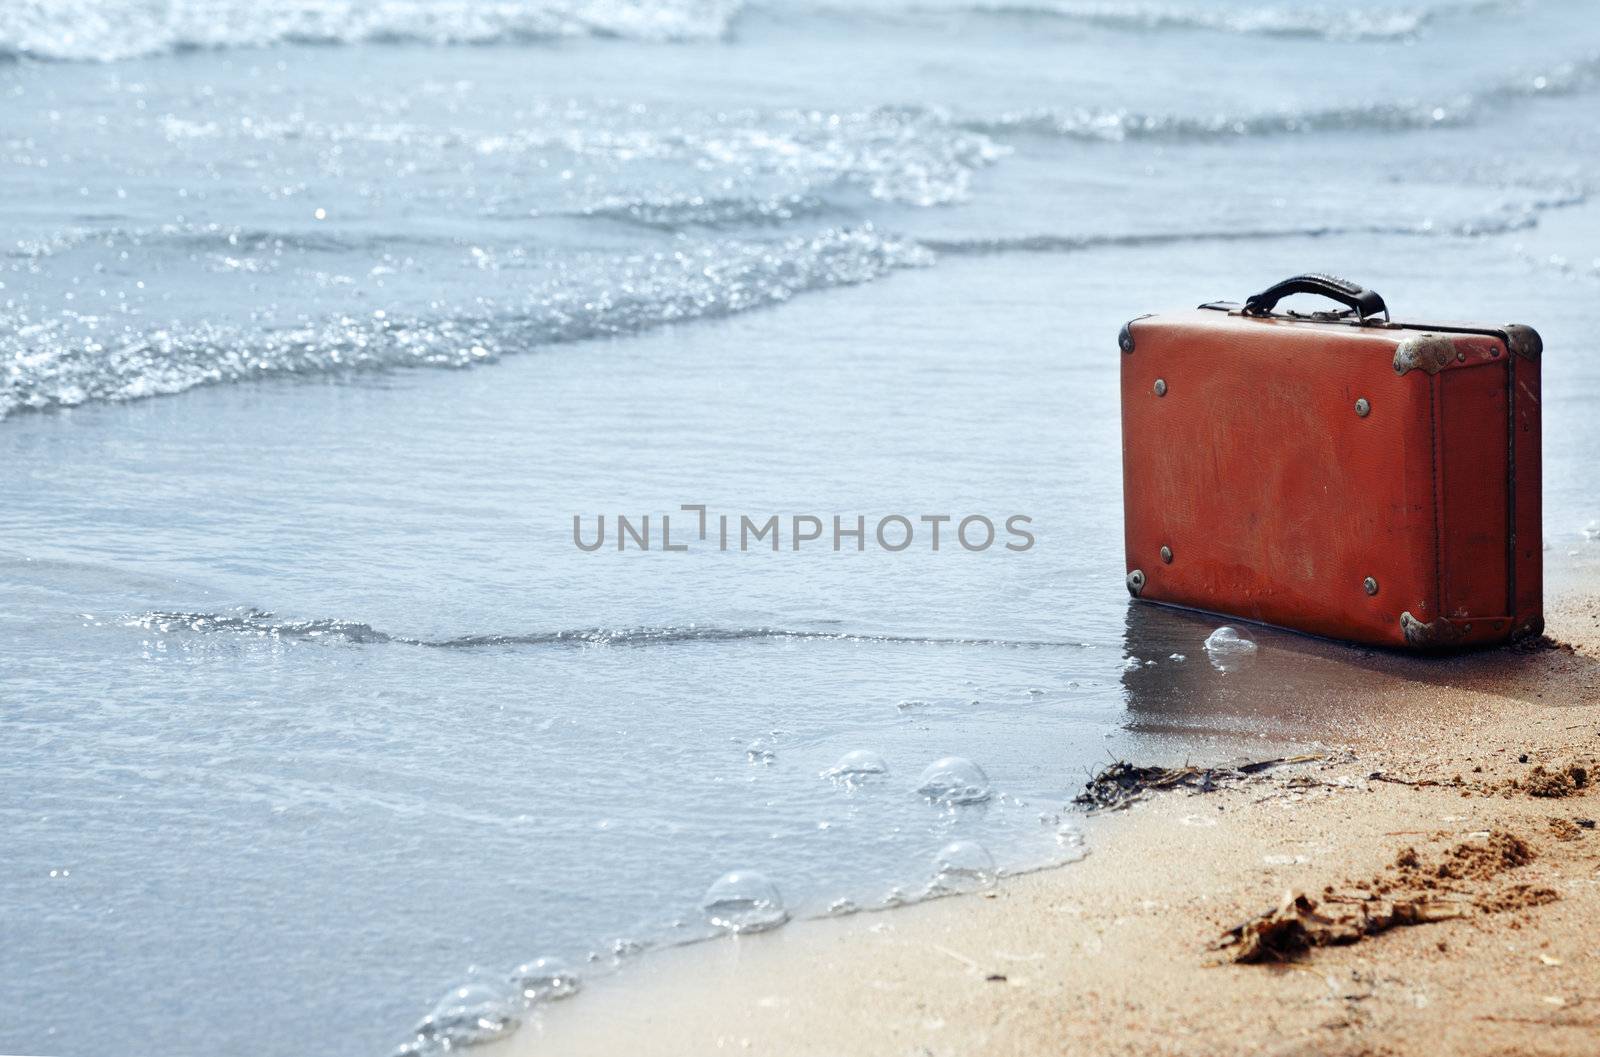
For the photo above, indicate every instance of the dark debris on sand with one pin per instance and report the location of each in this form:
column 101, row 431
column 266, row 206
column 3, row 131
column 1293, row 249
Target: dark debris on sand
column 1121, row 783
column 1541, row 644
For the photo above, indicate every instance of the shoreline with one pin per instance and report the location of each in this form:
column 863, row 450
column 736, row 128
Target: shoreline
column 1119, row 953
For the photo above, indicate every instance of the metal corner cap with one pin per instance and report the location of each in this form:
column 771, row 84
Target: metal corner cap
column 1431, row 634
column 1425, row 352
column 1125, row 335
column 1524, row 341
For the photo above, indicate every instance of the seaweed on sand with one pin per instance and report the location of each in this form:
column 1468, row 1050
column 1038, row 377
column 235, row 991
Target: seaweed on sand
column 1121, row 783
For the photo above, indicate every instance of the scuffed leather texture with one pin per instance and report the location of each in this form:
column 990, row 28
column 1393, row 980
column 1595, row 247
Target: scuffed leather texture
column 1278, row 500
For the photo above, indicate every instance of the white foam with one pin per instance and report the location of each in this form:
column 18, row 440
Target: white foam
column 112, row 30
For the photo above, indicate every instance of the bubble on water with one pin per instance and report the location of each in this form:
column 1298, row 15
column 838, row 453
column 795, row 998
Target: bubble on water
column 1228, row 649
column 1130, row 664
column 954, row 780
column 1178, row 657
column 744, row 901
column 626, row 947
column 468, row 1015
column 856, row 767
column 544, row 979
column 1070, row 841
column 963, row 866
column 911, row 704
column 843, row 906
column 1591, row 531
column 761, row 751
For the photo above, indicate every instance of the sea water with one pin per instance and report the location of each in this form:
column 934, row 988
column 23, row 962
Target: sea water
column 320, row 323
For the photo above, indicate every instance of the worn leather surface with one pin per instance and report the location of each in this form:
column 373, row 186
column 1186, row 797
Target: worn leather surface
column 1278, row 501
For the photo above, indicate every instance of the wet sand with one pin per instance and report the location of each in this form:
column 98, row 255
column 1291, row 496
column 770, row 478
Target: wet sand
column 1118, row 954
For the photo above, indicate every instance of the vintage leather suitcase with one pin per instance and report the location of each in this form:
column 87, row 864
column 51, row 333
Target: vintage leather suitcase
column 1335, row 472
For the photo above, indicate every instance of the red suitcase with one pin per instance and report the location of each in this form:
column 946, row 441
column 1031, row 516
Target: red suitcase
column 1335, row 472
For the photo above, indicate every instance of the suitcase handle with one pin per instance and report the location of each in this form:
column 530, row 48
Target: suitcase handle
column 1357, row 298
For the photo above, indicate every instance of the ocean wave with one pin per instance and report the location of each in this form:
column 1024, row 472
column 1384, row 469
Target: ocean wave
column 897, row 154
column 675, row 212
column 1516, row 217
column 1117, row 125
column 1120, row 124
column 1322, row 21
column 61, row 360
column 217, row 239
column 258, row 623
column 112, row 30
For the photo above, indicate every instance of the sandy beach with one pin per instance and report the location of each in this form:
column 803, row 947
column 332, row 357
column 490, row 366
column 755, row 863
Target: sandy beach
column 1469, row 794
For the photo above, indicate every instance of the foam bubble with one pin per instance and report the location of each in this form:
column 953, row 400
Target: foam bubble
column 742, row 901
column 544, row 979
column 468, row 1015
column 954, row 780
column 1068, row 835
column 963, row 866
column 1228, row 649
column 857, row 766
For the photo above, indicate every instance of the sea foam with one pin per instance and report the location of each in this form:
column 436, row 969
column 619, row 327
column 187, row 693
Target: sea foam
column 112, row 30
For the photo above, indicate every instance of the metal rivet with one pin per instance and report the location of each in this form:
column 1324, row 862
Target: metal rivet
column 1363, row 408
column 1371, row 585
column 1461, row 357
column 1135, row 582
column 1166, row 555
column 1161, row 387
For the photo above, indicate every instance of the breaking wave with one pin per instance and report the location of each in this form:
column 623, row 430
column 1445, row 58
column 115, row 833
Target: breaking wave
column 115, row 30
column 1119, row 124
column 59, row 361
column 1515, row 218
column 112, row 30
column 672, row 213
column 66, row 359
column 1322, row 21
column 897, row 154
column 257, row 623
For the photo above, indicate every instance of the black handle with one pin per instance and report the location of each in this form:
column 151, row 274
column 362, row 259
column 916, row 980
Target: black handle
column 1357, row 298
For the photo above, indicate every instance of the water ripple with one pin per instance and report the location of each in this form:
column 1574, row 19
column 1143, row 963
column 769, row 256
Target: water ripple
column 260, row 623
